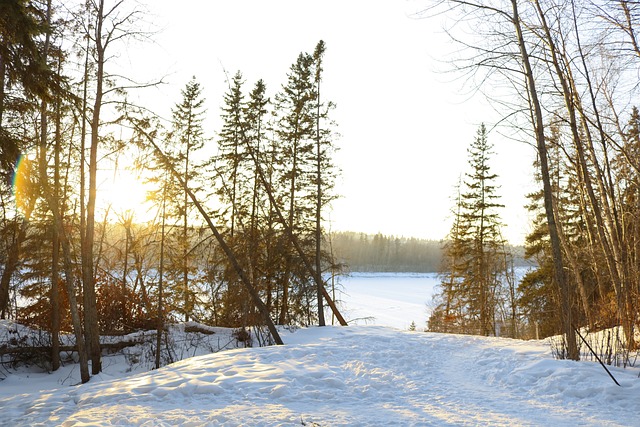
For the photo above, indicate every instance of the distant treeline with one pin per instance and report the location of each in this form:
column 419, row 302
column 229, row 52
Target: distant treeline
column 380, row 253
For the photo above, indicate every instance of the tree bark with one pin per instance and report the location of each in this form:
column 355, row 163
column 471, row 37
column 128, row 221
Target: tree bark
column 92, row 332
column 66, row 247
column 558, row 265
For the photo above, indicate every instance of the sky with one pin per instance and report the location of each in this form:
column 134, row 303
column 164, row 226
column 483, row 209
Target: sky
column 405, row 122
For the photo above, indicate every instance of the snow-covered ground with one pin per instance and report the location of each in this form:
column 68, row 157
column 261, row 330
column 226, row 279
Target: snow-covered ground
column 338, row 376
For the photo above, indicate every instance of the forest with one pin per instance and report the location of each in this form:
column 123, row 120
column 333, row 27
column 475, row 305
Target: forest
column 361, row 252
column 564, row 75
column 236, row 231
column 234, row 238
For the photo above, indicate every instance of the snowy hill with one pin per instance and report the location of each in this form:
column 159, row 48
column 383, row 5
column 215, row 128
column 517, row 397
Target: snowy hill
column 352, row 376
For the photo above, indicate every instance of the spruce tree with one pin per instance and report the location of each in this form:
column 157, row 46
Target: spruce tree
column 295, row 133
column 473, row 257
column 233, row 168
column 480, row 204
column 255, row 112
column 261, row 236
column 187, row 138
column 231, row 152
column 450, row 313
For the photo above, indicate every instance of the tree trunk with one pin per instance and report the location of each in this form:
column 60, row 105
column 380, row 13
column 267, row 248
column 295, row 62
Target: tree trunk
column 185, row 231
column 92, row 332
column 318, row 255
column 3, row 71
column 223, row 244
column 68, row 265
column 558, row 266
column 160, row 325
column 55, row 257
column 10, row 266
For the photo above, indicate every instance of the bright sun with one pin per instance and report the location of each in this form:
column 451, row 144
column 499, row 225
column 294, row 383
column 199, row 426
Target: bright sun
column 124, row 193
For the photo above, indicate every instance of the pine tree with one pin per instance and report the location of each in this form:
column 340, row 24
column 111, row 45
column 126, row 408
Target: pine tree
column 255, row 112
column 480, row 206
column 450, row 314
column 260, row 236
column 233, row 168
column 25, row 78
column 295, row 132
column 231, row 152
column 186, row 138
column 473, row 257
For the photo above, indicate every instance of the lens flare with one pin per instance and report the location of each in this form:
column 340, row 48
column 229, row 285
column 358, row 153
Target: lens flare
column 23, row 185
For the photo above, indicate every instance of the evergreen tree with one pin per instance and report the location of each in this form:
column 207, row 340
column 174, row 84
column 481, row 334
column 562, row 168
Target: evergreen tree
column 450, row 314
column 231, row 152
column 233, row 167
column 473, row 256
column 186, row 139
column 480, row 204
column 25, row 78
column 295, row 133
column 538, row 298
column 261, row 235
column 256, row 111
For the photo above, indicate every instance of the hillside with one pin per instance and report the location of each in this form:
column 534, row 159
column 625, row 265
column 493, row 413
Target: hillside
column 341, row 376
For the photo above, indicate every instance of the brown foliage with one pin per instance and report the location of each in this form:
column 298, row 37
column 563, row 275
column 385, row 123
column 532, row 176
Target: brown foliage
column 38, row 315
column 120, row 310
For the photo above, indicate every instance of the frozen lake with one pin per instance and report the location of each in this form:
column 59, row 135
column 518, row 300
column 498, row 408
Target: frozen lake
column 387, row 299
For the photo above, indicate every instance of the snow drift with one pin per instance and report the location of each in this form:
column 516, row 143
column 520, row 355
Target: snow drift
column 352, row 376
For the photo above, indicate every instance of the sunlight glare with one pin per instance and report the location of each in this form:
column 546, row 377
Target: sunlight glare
column 125, row 193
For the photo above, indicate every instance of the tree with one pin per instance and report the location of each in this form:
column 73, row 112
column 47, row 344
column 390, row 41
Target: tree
column 104, row 25
column 324, row 169
column 231, row 156
column 449, row 315
column 474, row 258
column 187, row 137
column 232, row 169
column 23, row 65
column 509, row 48
column 295, row 132
column 261, row 237
column 479, row 205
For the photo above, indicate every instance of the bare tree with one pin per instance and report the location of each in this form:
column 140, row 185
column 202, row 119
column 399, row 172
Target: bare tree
column 105, row 24
column 506, row 54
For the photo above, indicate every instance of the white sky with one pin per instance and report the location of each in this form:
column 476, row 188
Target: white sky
column 405, row 126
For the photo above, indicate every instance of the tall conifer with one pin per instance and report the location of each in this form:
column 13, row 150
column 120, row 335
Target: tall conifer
column 473, row 258
column 187, row 137
column 295, row 133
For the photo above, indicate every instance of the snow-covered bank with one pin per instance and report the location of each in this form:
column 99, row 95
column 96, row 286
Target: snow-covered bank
column 361, row 375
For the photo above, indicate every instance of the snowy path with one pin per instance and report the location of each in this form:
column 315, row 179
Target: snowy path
column 354, row 376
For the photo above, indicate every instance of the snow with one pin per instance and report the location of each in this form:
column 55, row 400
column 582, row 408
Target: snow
column 362, row 375
column 388, row 299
